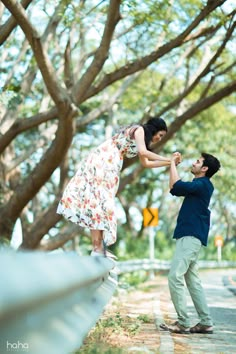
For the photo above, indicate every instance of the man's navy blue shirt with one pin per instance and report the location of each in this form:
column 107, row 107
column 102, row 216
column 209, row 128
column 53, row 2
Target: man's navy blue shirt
column 194, row 215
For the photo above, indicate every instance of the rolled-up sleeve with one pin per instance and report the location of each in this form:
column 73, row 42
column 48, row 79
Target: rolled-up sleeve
column 181, row 188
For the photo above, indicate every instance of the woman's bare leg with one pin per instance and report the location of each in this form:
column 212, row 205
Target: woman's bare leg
column 98, row 245
column 97, row 237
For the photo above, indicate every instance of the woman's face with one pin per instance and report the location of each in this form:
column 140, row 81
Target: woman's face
column 158, row 136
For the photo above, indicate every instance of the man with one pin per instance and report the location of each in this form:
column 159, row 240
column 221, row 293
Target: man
column 191, row 233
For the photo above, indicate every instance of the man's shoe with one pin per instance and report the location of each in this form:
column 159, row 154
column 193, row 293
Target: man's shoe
column 199, row 328
column 178, row 328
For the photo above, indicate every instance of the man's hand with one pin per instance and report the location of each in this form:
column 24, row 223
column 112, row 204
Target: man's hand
column 176, row 157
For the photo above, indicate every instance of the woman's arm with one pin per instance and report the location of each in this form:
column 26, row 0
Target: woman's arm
column 152, row 164
column 176, row 156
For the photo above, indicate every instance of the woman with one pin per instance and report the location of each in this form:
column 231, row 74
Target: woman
column 89, row 198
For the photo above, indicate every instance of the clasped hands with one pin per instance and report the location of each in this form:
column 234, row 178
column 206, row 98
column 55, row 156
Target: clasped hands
column 176, row 157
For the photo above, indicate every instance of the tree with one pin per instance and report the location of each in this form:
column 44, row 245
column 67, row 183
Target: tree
column 68, row 65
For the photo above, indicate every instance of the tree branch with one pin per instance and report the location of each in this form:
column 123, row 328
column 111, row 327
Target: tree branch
column 57, row 93
column 22, row 125
column 104, row 107
column 203, row 73
column 101, row 54
column 44, row 223
column 11, row 23
column 145, row 61
column 59, row 240
column 68, row 77
column 197, row 108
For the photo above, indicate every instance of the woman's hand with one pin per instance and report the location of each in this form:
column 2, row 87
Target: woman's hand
column 176, row 156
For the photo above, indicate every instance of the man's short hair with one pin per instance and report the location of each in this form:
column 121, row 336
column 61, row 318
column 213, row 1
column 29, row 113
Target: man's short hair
column 212, row 163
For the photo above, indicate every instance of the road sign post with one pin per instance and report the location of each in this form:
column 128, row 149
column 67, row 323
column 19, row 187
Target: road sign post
column 152, row 251
column 150, row 219
column 219, row 243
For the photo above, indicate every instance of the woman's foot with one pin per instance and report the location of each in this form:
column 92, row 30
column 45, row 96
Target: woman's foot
column 106, row 254
column 97, row 254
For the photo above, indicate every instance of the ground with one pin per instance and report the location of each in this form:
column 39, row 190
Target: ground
column 128, row 323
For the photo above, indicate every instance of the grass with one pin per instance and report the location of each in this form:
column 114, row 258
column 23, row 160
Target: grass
column 115, row 326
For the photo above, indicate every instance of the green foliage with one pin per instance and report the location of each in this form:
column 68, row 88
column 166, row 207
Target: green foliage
column 133, row 279
column 10, row 98
column 118, row 323
column 97, row 348
column 164, row 246
column 4, row 243
column 114, row 322
column 95, row 342
column 145, row 318
column 228, row 251
column 136, row 248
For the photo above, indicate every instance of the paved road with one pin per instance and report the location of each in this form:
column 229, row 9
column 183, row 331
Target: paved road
column 220, row 288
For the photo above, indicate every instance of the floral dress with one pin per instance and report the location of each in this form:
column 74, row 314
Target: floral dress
column 89, row 198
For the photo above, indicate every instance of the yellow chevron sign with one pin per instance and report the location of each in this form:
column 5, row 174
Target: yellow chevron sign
column 150, row 217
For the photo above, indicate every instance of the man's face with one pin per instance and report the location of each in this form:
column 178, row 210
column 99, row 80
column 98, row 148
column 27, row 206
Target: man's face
column 197, row 167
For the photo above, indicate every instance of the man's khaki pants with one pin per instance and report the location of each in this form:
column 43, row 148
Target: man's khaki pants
column 184, row 267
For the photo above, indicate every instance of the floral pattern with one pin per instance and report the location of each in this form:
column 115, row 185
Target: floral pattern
column 89, row 198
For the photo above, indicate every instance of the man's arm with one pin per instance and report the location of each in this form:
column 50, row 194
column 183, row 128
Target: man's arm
column 174, row 176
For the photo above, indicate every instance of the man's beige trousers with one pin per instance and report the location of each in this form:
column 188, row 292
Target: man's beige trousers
column 184, row 268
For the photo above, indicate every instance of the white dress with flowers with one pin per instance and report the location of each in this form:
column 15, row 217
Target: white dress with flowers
column 89, row 198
